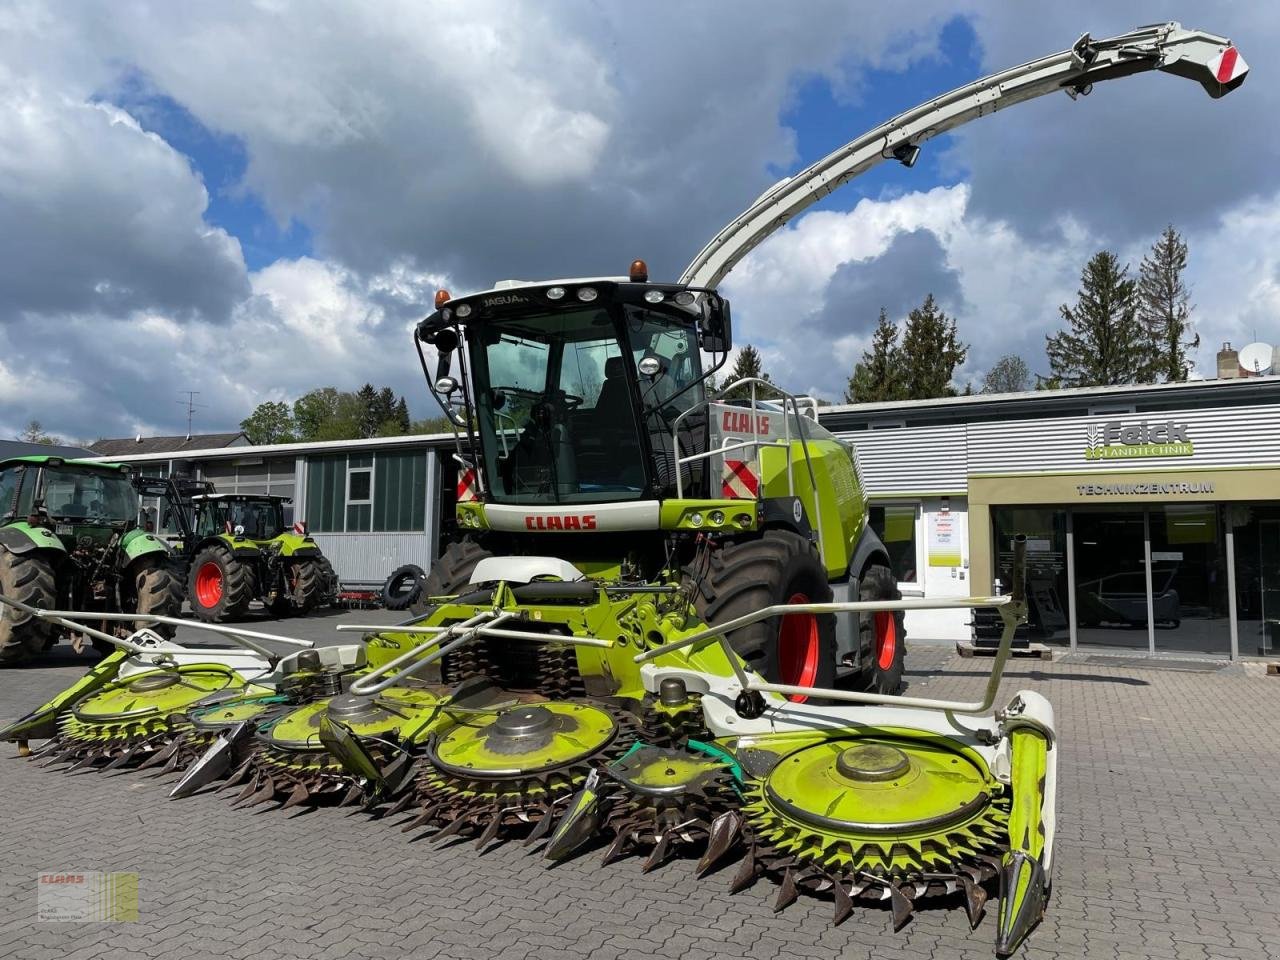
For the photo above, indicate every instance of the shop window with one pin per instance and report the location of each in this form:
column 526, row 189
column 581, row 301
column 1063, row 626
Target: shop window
column 1046, row 533
column 895, row 525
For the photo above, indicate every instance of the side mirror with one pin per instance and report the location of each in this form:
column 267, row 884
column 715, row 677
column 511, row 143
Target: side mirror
column 715, row 329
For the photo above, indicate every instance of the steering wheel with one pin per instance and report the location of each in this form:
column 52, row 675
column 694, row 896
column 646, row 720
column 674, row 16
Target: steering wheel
column 571, row 401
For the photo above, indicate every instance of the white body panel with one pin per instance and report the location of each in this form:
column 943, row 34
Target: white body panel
column 523, row 569
column 569, row 518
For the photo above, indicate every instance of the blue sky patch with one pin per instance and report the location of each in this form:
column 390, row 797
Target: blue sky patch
column 822, row 121
column 221, row 161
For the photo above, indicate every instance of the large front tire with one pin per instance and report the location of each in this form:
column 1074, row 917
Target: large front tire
column 449, row 574
column 158, row 590
column 307, row 582
column 883, row 635
column 219, row 586
column 27, row 577
column 781, row 567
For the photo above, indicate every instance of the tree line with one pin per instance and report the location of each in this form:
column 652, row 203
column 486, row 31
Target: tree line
column 327, row 413
column 1121, row 329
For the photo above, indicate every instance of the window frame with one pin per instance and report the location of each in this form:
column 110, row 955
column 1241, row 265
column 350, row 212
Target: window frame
column 914, row 587
column 368, row 501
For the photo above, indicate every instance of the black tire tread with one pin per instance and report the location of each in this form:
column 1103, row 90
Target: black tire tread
column 307, row 584
column 237, row 585
column 405, row 600
column 878, row 583
column 158, row 589
column 30, row 578
column 743, row 576
column 450, row 573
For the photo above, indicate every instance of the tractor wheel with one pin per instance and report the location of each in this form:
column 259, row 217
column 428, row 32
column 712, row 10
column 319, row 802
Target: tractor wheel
column 883, row 635
column 781, row 567
column 158, row 589
column 219, row 586
column 29, row 578
column 308, row 581
column 404, row 587
column 449, row 574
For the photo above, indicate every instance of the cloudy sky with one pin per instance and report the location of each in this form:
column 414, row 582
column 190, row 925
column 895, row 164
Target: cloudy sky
column 250, row 199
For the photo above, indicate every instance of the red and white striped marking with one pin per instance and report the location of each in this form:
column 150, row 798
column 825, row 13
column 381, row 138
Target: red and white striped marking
column 1228, row 65
column 740, row 481
column 467, row 485
column 300, row 528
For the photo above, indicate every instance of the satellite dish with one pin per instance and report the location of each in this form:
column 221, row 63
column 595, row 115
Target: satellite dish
column 1256, row 358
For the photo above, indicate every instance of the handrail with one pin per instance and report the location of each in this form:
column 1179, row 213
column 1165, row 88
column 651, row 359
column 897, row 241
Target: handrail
column 1006, row 606
column 756, row 443
column 484, row 632
column 73, row 620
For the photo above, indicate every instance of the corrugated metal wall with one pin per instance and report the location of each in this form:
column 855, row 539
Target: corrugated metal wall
column 369, row 557
column 911, row 459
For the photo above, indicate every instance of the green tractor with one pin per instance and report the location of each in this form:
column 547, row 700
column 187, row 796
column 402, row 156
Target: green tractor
column 69, row 539
column 240, row 549
column 586, row 433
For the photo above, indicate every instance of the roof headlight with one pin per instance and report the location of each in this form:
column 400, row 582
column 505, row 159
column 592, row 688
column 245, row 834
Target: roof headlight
column 555, row 293
column 586, row 294
column 464, row 310
column 684, row 298
column 653, row 296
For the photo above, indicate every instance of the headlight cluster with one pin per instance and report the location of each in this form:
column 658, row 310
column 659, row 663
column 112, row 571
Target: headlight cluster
column 469, row 519
column 717, row 518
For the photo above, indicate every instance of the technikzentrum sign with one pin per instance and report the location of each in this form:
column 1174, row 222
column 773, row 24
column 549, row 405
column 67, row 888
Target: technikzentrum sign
column 1118, row 440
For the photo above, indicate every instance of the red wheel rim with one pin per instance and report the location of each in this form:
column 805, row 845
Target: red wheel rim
column 209, row 584
column 798, row 649
column 886, row 639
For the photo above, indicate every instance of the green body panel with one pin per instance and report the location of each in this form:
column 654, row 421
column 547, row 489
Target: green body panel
column 839, row 490
column 295, row 545
column 632, row 623
column 22, row 537
column 239, row 547
column 1026, row 821
column 139, row 543
column 740, row 516
column 42, row 722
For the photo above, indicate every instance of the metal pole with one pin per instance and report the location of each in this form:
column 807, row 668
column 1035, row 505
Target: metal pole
column 1151, row 605
column 1071, row 580
column 1231, row 585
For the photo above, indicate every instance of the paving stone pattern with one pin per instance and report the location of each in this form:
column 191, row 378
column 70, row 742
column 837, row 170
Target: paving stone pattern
column 1168, row 847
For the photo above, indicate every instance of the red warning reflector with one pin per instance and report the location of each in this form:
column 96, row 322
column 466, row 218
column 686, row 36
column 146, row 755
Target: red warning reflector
column 1228, row 66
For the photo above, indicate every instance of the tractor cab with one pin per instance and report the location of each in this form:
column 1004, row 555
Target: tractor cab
column 570, row 391
column 66, row 494
column 253, row 517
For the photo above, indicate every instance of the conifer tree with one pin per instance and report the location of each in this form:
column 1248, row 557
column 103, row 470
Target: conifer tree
column 930, row 352
column 1104, row 344
column 1164, row 307
column 877, row 377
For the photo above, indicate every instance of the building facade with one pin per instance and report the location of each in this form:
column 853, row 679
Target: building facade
column 1152, row 513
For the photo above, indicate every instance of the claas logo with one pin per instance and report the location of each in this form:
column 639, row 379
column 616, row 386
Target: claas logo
column 62, row 878
column 571, row 521
column 735, row 421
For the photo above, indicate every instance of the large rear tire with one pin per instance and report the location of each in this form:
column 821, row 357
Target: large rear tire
column 449, row 574
column 27, row 577
column 219, row 586
column 307, row 581
column 780, row 567
column 883, row 635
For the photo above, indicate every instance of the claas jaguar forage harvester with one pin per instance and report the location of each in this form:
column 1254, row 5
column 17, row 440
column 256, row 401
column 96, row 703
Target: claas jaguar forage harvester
column 636, row 641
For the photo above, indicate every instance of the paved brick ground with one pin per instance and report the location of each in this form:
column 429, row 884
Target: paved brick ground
column 1169, row 847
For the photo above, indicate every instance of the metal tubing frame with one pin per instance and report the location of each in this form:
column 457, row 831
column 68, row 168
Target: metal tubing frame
column 361, row 686
column 70, row 620
column 756, row 443
column 484, row 632
column 1007, row 606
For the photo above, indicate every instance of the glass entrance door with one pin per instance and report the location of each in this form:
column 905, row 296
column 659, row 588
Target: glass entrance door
column 1111, row 579
column 1189, row 579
